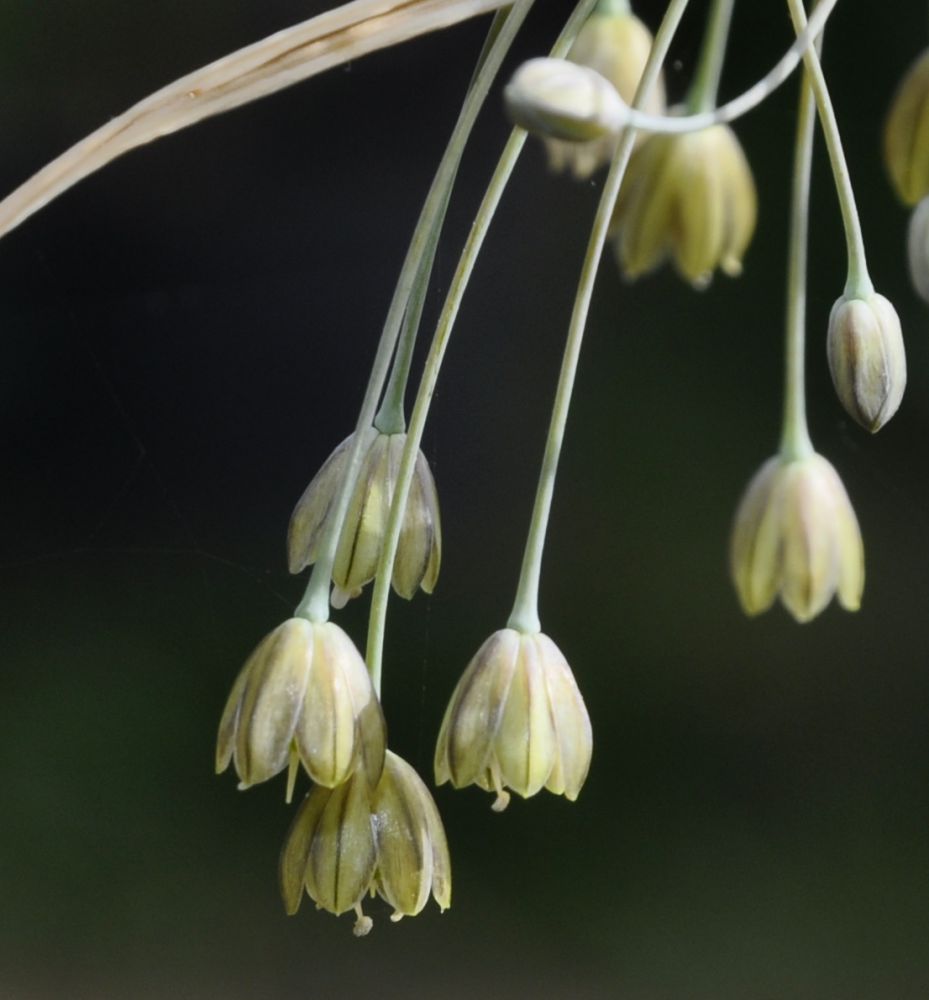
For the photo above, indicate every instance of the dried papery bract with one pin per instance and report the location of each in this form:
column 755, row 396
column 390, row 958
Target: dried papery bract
column 354, row 840
column 419, row 553
column 616, row 44
column 305, row 695
column 516, row 720
column 795, row 535
column 906, row 134
column 333, row 38
column 867, row 358
column 691, row 197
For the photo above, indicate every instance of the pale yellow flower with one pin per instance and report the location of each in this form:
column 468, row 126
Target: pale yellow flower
column 690, row 197
column 867, row 359
column 616, row 44
column 906, row 134
column 918, row 248
column 353, row 840
column 304, row 695
column 795, row 535
column 419, row 551
column 516, row 720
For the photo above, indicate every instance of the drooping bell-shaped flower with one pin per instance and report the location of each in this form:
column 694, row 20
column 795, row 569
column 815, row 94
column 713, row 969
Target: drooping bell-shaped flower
column 796, row 536
column 616, row 44
column 516, row 720
column 419, row 552
column 304, row 694
column 906, row 134
column 867, row 358
column 357, row 839
column 917, row 246
column 689, row 197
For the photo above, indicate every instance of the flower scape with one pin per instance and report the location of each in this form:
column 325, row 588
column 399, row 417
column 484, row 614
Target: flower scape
column 677, row 189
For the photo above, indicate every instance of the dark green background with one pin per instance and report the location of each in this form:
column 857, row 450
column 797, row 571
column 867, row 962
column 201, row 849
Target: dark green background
column 185, row 337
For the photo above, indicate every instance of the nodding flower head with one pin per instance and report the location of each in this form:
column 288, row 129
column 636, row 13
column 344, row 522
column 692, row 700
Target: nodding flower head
column 918, row 248
column 419, row 551
column 795, row 535
column 906, row 134
column 305, row 695
column 867, row 359
column 616, row 44
column 690, row 197
column 516, row 720
column 357, row 839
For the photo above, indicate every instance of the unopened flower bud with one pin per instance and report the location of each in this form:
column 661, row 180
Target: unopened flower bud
column 867, row 359
column 906, row 134
column 691, row 197
column 516, row 720
column 557, row 99
column 795, row 535
column 304, row 695
column 351, row 840
column 419, row 551
column 918, row 248
column 616, row 44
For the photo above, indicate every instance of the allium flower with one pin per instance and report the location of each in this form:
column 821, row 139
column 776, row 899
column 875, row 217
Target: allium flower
column 906, row 134
column 304, row 694
column 918, row 249
column 616, row 44
column 867, row 359
column 795, row 534
column 558, row 99
column 419, row 552
column 691, row 197
column 352, row 840
column 516, row 720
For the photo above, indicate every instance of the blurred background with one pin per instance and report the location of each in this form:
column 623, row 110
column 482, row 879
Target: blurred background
column 186, row 336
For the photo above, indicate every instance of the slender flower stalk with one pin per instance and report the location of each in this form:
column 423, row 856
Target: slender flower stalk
column 795, row 534
column 761, row 90
column 315, row 603
column 703, row 91
column 859, row 283
column 336, row 37
column 391, row 417
column 433, row 364
column 795, row 437
column 525, row 614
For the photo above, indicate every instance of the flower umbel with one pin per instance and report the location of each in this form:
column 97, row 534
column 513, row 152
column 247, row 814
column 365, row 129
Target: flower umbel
column 304, row 695
column 795, row 534
column 691, row 197
column 616, row 44
column 867, row 358
column 420, row 550
column 516, row 720
column 351, row 840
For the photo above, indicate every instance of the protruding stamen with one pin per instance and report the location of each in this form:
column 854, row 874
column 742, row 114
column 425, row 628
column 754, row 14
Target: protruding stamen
column 503, row 797
column 363, row 924
column 293, row 767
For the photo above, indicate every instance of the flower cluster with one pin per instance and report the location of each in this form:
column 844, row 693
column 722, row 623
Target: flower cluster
column 682, row 192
